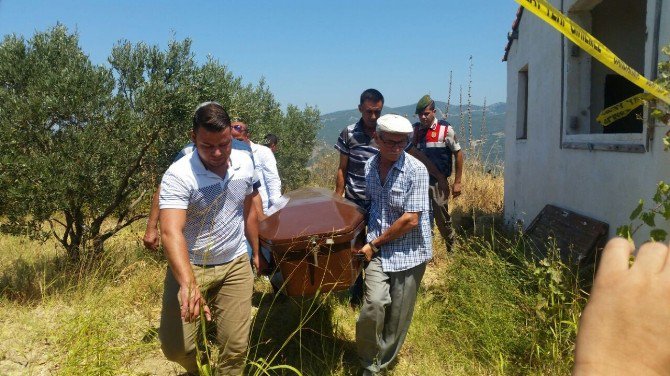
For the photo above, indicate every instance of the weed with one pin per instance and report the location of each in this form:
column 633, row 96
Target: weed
column 483, row 309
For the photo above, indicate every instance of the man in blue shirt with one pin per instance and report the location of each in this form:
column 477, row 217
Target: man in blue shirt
column 399, row 244
column 356, row 146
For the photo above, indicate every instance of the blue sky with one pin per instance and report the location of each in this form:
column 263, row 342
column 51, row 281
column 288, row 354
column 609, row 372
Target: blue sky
column 322, row 53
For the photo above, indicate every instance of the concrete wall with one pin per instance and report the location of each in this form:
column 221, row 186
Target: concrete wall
column 604, row 185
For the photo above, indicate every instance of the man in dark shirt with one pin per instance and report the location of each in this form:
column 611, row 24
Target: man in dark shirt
column 356, row 145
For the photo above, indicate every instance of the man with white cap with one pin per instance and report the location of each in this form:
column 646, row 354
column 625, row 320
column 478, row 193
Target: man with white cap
column 399, row 244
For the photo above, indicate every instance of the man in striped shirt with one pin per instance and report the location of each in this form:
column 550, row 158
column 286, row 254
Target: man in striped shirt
column 356, row 146
column 205, row 215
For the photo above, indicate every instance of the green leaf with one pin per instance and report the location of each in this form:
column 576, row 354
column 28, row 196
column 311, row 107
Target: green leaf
column 285, row 367
column 648, row 218
column 663, row 188
column 658, row 197
column 658, row 235
column 637, row 210
column 624, row 232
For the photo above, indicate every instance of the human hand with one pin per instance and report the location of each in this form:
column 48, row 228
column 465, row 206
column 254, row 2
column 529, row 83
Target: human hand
column 191, row 302
column 624, row 327
column 365, row 252
column 151, row 238
column 261, row 264
column 456, row 190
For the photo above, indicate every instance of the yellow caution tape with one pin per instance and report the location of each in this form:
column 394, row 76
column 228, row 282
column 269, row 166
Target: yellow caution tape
column 623, row 108
column 592, row 46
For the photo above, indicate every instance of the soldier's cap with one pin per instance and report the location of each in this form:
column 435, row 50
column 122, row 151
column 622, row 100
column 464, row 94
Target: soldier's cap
column 424, row 102
column 392, row 123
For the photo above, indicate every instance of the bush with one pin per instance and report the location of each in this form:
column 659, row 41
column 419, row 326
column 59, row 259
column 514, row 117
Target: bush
column 507, row 311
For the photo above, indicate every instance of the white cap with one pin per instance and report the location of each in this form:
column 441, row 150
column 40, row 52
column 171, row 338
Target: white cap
column 392, row 123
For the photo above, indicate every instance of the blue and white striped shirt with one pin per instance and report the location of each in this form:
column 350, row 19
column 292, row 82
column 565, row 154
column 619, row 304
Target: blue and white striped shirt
column 237, row 145
column 405, row 190
column 214, row 229
column 359, row 147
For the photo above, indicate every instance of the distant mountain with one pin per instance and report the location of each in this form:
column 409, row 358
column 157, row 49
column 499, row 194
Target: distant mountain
column 334, row 122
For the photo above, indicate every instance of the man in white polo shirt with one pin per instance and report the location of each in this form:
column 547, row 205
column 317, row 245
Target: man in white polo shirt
column 151, row 238
column 205, row 213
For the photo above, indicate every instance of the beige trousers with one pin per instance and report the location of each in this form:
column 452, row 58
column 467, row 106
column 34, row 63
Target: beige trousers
column 228, row 289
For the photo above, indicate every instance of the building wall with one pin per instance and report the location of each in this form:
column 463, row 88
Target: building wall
column 604, row 185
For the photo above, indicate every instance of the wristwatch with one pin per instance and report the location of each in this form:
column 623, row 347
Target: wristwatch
column 374, row 248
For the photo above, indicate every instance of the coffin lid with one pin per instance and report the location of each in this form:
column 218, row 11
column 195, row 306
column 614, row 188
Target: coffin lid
column 311, row 212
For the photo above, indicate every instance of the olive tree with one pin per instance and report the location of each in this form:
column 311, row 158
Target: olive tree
column 256, row 106
column 84, row 145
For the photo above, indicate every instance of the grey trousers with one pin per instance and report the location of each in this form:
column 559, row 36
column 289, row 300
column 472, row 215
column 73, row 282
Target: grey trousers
column 228, row 289
column 386, row 313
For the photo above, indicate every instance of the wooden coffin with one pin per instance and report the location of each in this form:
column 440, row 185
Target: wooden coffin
column 311, row 241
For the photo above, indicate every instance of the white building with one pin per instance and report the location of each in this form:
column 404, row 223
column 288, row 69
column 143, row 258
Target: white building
column 555, row 151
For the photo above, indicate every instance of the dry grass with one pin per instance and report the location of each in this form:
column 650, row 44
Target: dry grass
column 475, row 313
column 322, row 171
column 482, row 188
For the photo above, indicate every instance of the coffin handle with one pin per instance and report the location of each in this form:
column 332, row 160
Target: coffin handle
column 313, row 265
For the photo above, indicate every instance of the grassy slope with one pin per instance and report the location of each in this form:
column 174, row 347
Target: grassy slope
column 481, row 310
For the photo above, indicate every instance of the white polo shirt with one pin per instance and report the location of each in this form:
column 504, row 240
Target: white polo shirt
column 237, row 145
column 214, row 206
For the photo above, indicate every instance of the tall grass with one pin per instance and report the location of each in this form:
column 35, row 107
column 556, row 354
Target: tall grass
column 484, row 308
